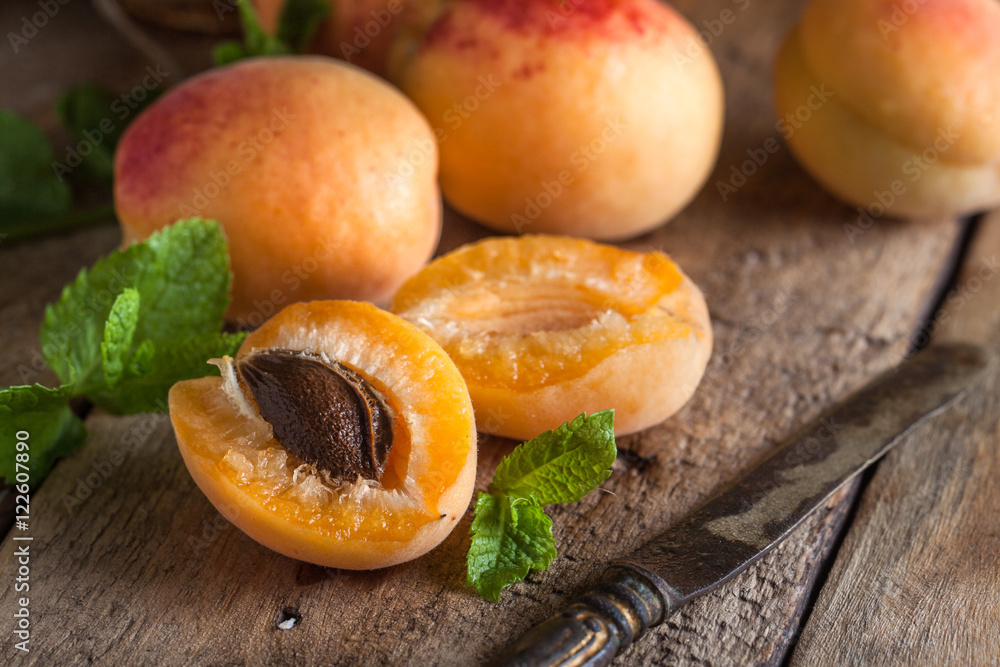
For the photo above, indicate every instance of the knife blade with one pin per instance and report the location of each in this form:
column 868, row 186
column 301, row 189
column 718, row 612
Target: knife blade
column 728, row 533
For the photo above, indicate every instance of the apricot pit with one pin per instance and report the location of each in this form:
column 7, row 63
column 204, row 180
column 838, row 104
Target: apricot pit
column 322, row 412
column 340, row 434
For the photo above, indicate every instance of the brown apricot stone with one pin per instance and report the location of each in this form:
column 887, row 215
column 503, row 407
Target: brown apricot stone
column 340, row 434
column 324, row 413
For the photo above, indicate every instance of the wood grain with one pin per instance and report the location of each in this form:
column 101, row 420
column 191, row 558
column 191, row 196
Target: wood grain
column 143, row 569
column 918, row 577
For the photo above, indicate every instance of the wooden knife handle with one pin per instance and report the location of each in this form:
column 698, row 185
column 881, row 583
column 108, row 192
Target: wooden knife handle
column 593, row 629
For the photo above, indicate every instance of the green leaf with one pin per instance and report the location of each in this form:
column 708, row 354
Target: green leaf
column 299, row 21
column 256, row 42
column 119, row 331
column 510, row 537
column 225, row 53
column 51, row 428
column 156, row 367
column 122, row 334
column 98, row 119
column 562, row 465
column 86, row 112
column 30, row 190
column 181, row 275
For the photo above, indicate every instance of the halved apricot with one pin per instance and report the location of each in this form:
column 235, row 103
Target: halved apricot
column 341, row 435
column 546, row 327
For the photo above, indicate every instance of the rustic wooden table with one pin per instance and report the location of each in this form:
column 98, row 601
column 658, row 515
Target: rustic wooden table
column 900, row 568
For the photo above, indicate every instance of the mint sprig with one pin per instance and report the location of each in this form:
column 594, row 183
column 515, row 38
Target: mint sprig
column 122, row 334
column 30, row 192
column 36, row 196
column 297, row 25
column 52, row 429
column 97, row 118
column 511, row 534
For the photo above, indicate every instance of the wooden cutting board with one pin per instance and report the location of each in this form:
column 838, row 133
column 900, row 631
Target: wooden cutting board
column 131, row 563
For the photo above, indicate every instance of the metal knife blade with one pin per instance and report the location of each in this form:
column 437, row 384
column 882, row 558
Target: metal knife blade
column 724, row 536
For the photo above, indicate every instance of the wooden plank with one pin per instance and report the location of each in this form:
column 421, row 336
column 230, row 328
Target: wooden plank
column 143, row 569
column 917, row 579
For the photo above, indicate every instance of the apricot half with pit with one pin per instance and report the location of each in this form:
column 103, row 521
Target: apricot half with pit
column 340, row 434
column 545, row 327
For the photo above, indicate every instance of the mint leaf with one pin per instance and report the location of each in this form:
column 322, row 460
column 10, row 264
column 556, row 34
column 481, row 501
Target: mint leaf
column 51, row 427
column 30, row 191
column 256, row 42
column 296, row 27
column 299, row 21
column 118, row 333
column 86, row 112
column 562, row 465
column 510, row 537
column 157, row 367
column 122, row 334
column 181, row 274
column 33, row 197
column 98, row 118
column 143, row 318
column 511, row 534
column 228, row 52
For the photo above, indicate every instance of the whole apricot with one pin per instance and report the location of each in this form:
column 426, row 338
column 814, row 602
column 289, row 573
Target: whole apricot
column 358, row 31
column 893, row 107
column 596, row 118
column 544, row 328
column 340, row 435
column 309, row 165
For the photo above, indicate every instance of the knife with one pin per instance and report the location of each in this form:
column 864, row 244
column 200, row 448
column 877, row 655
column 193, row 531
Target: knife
column 732, row 530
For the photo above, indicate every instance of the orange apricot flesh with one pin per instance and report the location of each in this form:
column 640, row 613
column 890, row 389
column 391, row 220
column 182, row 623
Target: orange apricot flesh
column 545, row 327
column 295, row 508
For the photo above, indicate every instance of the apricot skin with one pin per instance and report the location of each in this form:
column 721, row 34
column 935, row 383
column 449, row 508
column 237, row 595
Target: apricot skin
column 434, row 472
column 303, row 161
column 594, row 118
column 529, row 370
column 901, row 106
